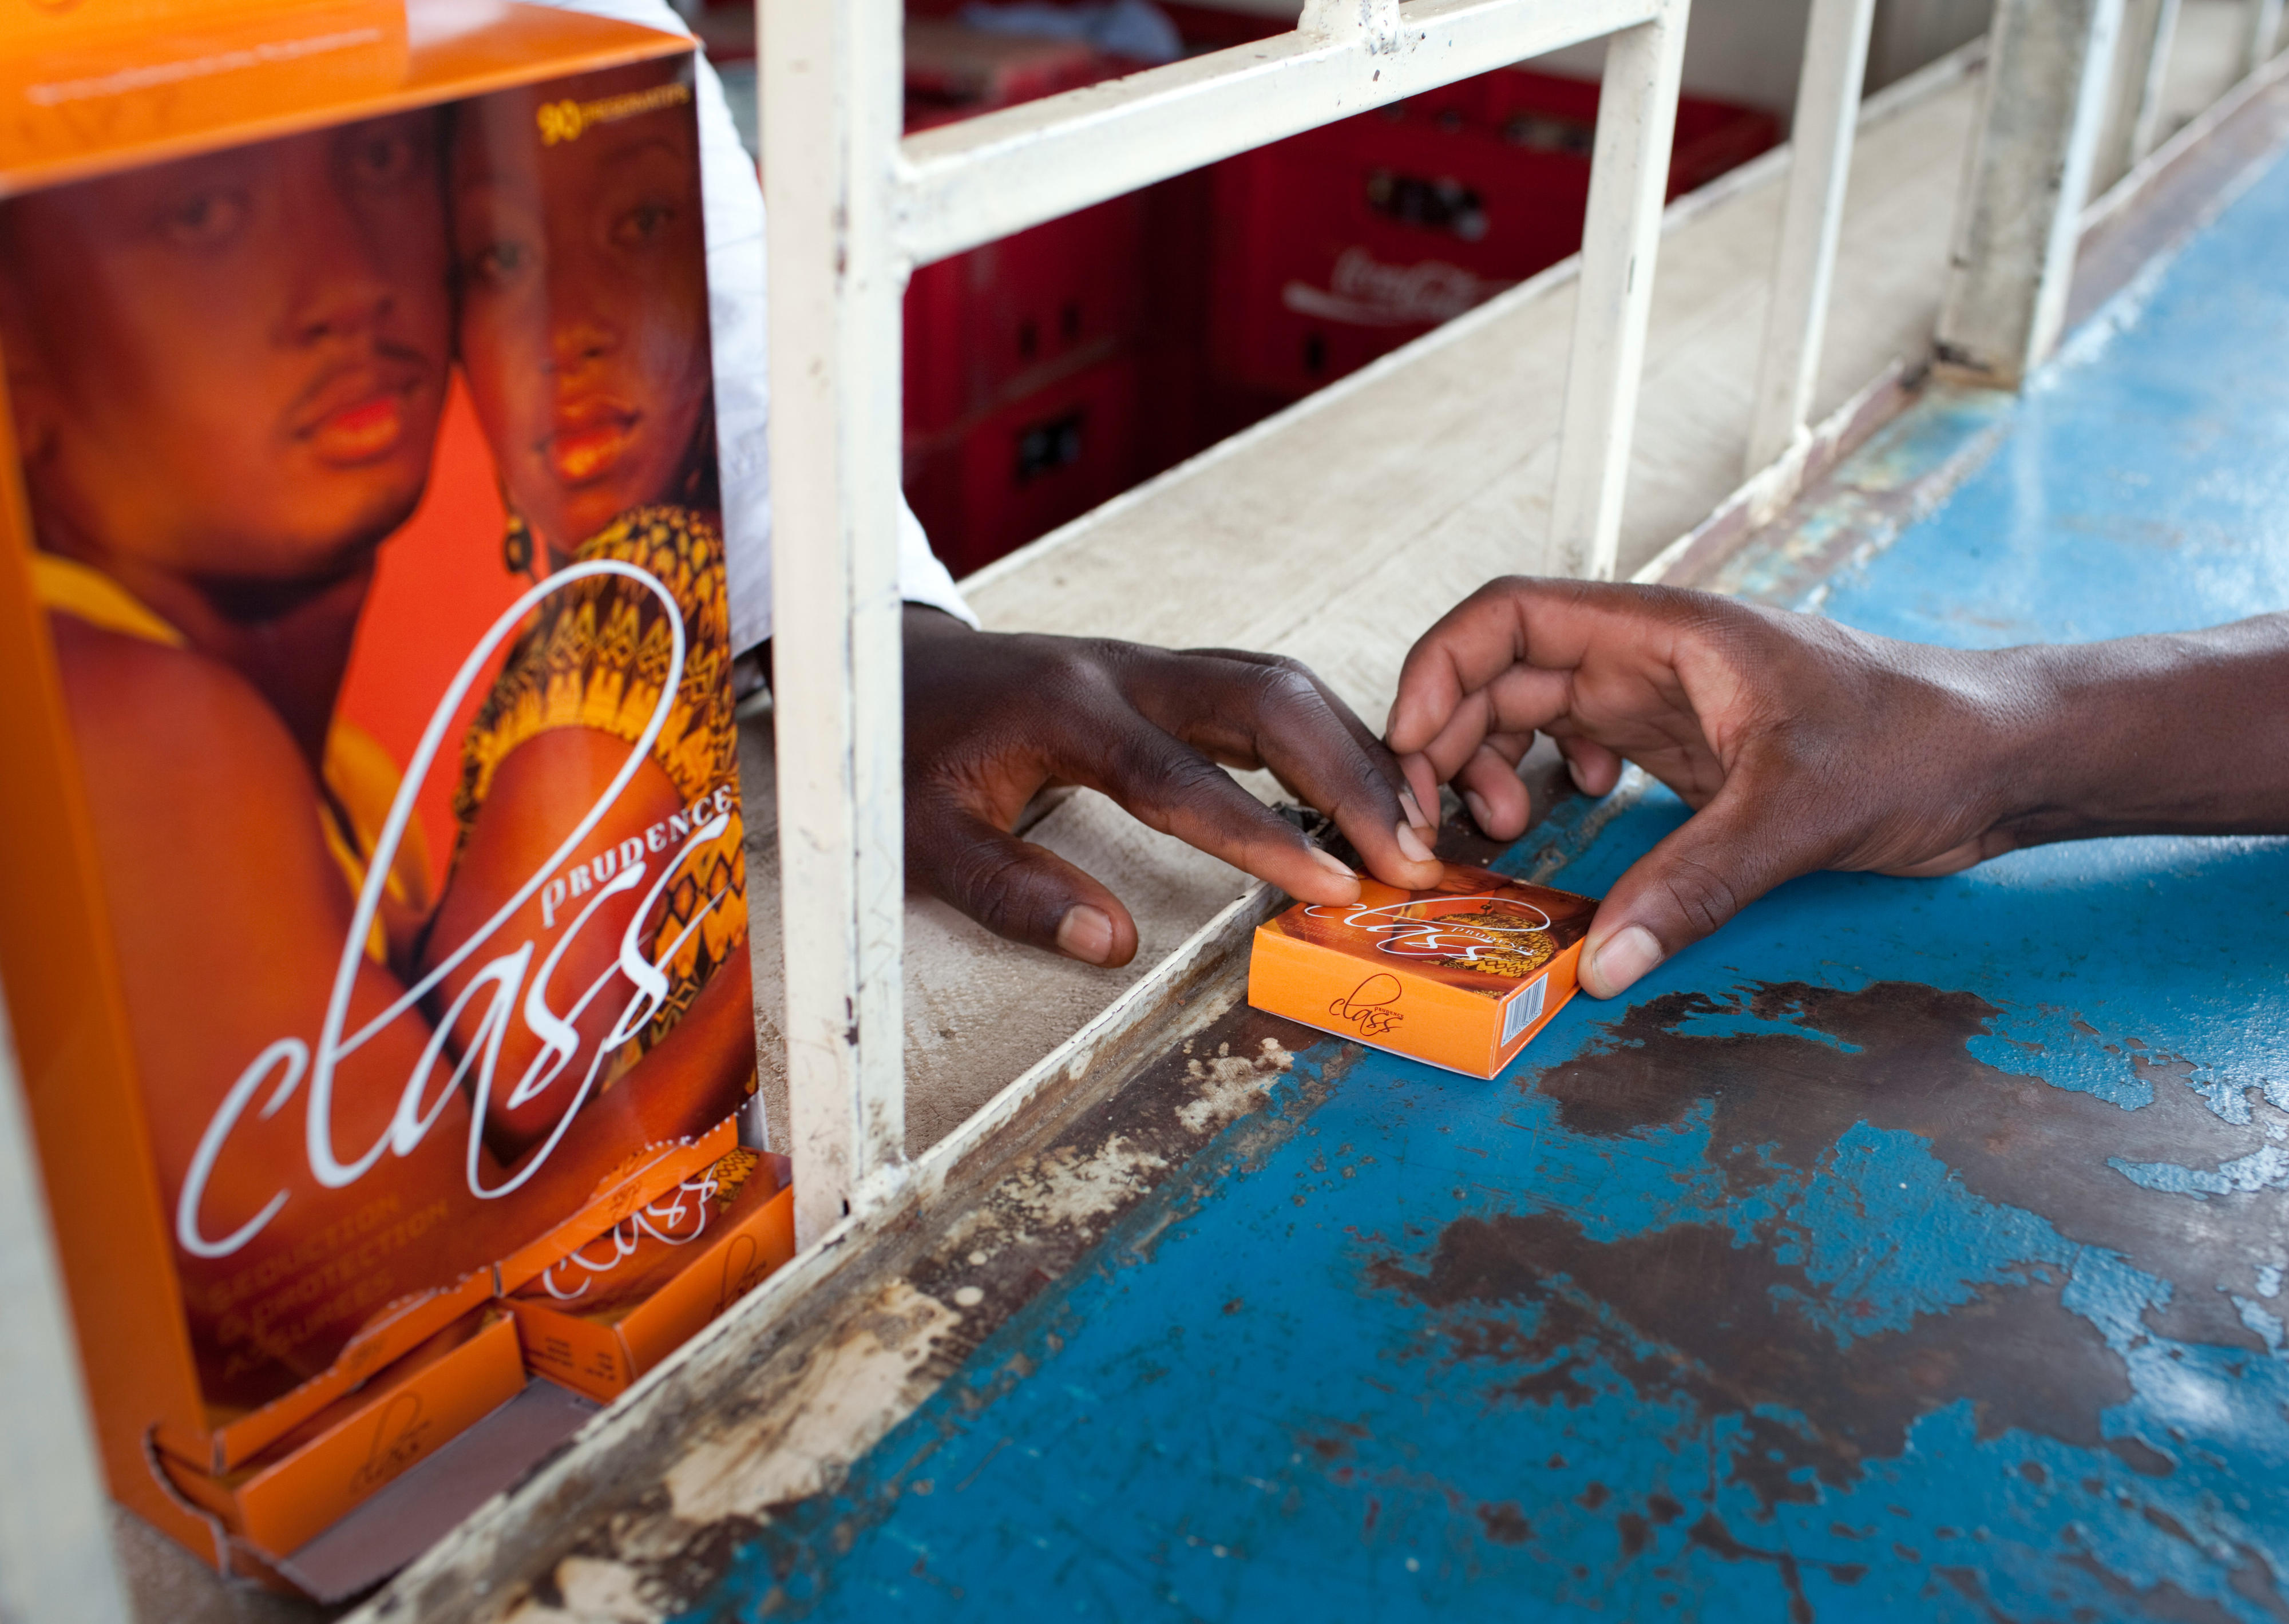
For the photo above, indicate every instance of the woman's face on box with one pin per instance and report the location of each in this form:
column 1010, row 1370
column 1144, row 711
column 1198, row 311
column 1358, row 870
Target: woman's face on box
column 583, row 300
column 232, row 366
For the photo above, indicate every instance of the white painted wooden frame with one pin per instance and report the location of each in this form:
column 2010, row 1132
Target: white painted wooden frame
column 1811, row 220
column 2142, row 70
column 2050, row 70
column 855, row 209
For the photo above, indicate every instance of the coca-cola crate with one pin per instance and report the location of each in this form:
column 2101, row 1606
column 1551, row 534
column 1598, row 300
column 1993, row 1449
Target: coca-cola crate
column 1341, row 244
column 1216, row 28
column 1172, row 348
column 954, row 72
column 1000, row 319
column 1001, row 479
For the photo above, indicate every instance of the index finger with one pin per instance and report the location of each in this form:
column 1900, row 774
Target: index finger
column 1167, row 785
column 1253, row 710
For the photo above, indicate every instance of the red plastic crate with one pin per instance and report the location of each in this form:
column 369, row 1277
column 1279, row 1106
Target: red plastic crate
column 988, row 325
column 999, row 321
column 1019, row 407
column 1341, row 244
column 954, row 72
column 1212, row 27
column 1002, row 479
column 1172, row 418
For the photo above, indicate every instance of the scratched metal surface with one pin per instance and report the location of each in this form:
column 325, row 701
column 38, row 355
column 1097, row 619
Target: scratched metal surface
column 1913, row 1250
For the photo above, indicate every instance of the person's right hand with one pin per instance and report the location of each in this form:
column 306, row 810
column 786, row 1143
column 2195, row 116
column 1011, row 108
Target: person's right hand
column 1799, row 743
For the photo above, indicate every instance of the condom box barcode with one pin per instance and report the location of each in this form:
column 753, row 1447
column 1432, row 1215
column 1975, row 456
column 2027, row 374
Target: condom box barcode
column 1462, row 977
column 1524, row 1008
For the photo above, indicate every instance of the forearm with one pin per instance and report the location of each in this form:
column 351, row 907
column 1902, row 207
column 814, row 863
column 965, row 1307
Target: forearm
column 2181, row 733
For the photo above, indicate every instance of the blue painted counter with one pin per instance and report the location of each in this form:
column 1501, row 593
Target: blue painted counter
column 1912, row 1250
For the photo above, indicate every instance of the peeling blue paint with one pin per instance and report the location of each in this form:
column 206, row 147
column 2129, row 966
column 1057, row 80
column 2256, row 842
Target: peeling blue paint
column 2267, row 1167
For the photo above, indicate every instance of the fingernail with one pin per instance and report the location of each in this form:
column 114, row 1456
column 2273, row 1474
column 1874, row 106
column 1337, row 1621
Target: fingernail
column 1573, row 771
column 1411, row 844
column 1412, row 809
column 1479, row 813
column 1085, row 934
column 1627, row 954
column 1334, row 864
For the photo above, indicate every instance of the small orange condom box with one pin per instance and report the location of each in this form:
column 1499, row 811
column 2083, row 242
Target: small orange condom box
column 607, row 1312
column 1461, row 976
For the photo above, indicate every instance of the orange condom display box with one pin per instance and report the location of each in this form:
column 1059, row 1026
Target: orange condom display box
column 1462, row 976
column 375, row 919
column 298, row 1485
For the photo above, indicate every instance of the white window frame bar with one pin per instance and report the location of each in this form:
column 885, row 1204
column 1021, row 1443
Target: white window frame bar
column 2146, row 134
column 2141, row 71
column 855, row 209
column 2050, row 67
column 1827, row 119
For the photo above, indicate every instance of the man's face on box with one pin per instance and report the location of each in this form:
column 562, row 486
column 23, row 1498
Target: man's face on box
column 231, row 367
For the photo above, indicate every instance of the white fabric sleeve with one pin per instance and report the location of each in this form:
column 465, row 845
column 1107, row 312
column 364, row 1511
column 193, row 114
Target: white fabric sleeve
column 732, row 199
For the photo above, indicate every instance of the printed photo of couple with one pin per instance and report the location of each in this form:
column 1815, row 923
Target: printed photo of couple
column 371, row 477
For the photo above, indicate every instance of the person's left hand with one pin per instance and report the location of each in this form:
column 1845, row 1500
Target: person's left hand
column 992, row 719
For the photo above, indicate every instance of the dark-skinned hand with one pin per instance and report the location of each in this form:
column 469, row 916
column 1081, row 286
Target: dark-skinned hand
column 992, row 719
column 1803, row 744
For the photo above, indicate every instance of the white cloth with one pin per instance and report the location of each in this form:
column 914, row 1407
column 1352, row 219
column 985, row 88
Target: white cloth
column 732, row 199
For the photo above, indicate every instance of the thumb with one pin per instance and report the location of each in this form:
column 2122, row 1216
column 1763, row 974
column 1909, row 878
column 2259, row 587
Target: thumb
column 1015, row 888
column 1727, row 855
